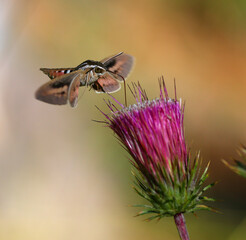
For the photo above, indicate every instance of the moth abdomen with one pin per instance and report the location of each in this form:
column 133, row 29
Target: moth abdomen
column 56, row 72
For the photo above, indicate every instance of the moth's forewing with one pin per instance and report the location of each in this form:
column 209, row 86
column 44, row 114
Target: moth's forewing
column 56, row 92
column 56, row 72
column 52, row 93
column 107, row 84
column 73, row 91
column 116, row 76
column 120, row 64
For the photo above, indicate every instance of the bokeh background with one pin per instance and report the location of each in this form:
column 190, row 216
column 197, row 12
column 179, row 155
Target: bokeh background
column 63, row 176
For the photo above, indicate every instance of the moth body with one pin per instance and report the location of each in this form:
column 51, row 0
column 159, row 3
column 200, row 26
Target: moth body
column 103, row 76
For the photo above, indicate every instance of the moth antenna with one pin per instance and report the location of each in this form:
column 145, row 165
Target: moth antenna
column 87, row 80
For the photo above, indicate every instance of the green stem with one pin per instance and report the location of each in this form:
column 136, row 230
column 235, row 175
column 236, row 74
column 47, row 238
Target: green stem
column 181, row 226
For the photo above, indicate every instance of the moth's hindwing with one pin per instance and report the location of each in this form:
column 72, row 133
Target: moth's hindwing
column 56, row 91
column 120, row 64
column 106, row 83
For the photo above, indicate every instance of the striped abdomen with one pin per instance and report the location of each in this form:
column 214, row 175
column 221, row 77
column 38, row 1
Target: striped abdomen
column 56, row 72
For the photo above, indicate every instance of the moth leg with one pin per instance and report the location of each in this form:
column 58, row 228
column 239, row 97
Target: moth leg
column 97, row 87
column 87, row 80
column 91, row 87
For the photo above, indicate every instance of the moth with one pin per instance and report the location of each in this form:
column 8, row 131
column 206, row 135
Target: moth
column 102, row 76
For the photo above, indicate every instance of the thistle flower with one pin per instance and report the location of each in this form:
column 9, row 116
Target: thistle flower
column 152, row 132
column 240, row 166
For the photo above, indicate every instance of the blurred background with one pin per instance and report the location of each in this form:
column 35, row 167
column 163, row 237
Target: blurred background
column 63, row 176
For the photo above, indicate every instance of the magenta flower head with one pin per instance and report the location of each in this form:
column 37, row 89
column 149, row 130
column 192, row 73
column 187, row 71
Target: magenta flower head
column 152, row 132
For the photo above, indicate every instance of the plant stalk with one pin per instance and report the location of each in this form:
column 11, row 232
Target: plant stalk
column 181, row 226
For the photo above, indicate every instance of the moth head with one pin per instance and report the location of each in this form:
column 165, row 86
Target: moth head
column 99, row 70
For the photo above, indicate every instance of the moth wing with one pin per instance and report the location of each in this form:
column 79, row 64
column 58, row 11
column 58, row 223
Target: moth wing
column 110, row 57
column 56, row 92
column 120, row 64
column 107, row 83
column 73, row 91
column 56, row 72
